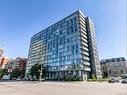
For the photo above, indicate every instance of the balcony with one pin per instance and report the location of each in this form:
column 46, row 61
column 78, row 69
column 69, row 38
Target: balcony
column 86, row 63
column 87, row 69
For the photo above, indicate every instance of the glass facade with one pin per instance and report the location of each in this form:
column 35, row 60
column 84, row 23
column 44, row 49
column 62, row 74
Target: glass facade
column 63, row 48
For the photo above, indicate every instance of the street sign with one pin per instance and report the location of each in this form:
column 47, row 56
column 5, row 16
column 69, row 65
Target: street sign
column 9, row 70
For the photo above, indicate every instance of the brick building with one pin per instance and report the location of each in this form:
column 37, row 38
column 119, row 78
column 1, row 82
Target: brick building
column 4, row 61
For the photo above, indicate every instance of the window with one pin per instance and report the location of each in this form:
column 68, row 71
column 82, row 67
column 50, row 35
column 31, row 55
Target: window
column 60, row 41
column 77, row 50
column 68, row 57
column 68, row 40
column 68, row 48
column 68, row 33
column 61, row 32
column 72, row 49
column 121, row 71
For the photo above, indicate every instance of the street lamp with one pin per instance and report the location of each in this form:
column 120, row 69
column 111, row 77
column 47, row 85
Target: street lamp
column 40, row 56
column 41, row 68
column 41, row 73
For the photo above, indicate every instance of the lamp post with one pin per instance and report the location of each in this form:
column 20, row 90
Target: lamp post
column 40, row 56
column 40, row 74
column 41, row 67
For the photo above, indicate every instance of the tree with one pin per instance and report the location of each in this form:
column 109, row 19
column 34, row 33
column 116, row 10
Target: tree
column 15, row 73
column 94, row 76
column 22, row 73
column 105, row 75
column 2, row 72
column 35, row 70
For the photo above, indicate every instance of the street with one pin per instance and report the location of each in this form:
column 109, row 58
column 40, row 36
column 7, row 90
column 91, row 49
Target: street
column 61, row 88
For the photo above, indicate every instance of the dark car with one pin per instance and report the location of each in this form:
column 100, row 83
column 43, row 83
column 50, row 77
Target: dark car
column 124, row 80
column 113, row 80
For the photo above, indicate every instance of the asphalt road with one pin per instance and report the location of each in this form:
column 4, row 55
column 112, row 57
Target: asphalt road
column 61, row 88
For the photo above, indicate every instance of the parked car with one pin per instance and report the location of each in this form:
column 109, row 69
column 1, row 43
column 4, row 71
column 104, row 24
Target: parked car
column 5, row 77
column 18, row 79
column 34, row 78
column 124, row 80
column 113, row 80
column 42, row 79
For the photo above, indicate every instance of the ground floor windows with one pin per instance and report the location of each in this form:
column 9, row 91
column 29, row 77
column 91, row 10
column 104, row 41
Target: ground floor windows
column 68, row 75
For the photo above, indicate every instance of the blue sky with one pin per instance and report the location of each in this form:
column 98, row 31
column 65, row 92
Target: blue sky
column 21, row 19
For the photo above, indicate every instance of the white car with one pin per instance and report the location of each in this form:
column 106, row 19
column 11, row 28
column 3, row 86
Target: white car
column 18, row 79
column 5, row 77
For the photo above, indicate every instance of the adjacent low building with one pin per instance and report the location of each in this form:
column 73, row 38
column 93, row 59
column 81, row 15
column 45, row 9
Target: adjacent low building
column 114, row 67
column 19, row 63
column 66, row 48
column 4, row 61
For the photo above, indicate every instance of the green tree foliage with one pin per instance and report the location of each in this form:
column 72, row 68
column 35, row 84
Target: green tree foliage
column 3, row 72
column 16, row 72
column 35, row 70
column 93, row 76
column 105, row 75
column 22, row 73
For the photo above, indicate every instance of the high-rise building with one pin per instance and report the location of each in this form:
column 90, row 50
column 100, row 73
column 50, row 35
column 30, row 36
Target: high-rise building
column 67, row 48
